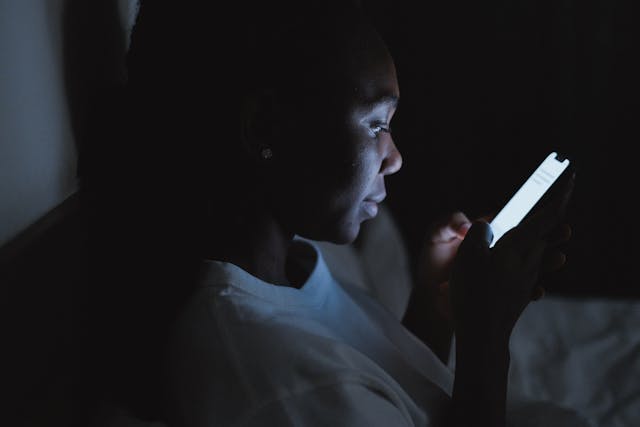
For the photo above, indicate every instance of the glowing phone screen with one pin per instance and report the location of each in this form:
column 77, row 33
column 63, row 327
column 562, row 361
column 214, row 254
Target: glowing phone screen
column 527, row 196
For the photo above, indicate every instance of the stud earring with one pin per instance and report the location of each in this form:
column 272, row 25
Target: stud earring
column 266, row 153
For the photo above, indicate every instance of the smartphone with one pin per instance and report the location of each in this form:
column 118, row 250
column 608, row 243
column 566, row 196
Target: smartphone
column 528, row 195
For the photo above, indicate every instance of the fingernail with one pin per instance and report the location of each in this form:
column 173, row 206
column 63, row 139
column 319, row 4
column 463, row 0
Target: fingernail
column 463, row 228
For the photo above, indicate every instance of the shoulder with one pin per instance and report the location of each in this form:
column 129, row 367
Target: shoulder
column 262, row 340
column 224, row 360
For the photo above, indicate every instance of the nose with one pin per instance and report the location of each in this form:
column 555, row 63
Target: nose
column 392, row 161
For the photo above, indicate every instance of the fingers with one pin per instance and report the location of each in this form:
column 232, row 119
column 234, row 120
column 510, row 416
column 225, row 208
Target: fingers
column 477, row 240
column 534, row 256
column 560, row 194
column 533, row 263
column 560, row 201
column 540, row 225
column 457, row 219
column 566, row 194
column 536, row 226
column 487, row 217
column 440, row 248
column 459, row 224
column 454, row 226
column 553, row 261
column 560, row 234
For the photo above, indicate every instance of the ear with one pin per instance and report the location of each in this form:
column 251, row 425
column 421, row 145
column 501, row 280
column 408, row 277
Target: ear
column 261, row 115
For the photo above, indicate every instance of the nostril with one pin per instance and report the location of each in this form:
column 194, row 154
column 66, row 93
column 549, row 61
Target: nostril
column 392, row 163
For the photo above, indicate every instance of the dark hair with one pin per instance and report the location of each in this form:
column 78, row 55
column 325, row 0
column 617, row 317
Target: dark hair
column 190, row 72
column 165, row 153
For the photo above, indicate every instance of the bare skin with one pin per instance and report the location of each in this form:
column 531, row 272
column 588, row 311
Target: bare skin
column 330, row 160
column 347, row 152
column 429, row 314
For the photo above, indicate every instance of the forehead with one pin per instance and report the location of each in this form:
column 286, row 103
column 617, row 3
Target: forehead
column 370, row 70
column 375, row 87
column 350, row 67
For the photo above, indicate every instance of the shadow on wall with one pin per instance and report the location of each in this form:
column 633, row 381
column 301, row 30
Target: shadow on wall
column 44, row 270
column 95, row 41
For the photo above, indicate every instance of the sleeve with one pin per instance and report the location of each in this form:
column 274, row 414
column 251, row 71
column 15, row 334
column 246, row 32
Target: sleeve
column 336, row 405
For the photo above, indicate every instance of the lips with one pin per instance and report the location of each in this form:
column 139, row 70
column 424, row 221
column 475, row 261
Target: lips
column 370, row 207
column 378, row 198
column 370, row 204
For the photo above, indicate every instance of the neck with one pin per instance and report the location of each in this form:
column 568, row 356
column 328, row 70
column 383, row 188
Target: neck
column 258, row 244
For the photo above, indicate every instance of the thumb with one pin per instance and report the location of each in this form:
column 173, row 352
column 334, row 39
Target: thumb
column 477, row 240
column 467, row 278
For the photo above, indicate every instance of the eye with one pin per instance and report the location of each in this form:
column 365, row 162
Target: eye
column 378, row 127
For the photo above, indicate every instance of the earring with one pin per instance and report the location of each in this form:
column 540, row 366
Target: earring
column 266, row 153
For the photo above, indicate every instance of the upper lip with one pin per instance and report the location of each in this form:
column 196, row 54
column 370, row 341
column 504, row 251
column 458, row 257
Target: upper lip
column 377, row 198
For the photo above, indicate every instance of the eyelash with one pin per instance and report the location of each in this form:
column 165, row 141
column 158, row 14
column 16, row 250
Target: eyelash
column 376, row 128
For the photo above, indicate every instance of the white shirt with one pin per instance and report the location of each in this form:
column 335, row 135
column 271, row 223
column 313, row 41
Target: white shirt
column 246, row 352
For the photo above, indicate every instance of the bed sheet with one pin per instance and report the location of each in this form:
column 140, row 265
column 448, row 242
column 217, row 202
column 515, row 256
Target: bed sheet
column 582, row 354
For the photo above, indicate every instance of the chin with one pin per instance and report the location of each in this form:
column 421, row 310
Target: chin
column 343, row 235
column 346, row 238
column 347, row 233
column 340, row 230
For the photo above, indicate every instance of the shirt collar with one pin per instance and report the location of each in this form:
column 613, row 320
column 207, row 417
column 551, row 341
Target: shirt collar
column 223, row 274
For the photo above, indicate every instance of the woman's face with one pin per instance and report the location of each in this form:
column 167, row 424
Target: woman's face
column 339, row 148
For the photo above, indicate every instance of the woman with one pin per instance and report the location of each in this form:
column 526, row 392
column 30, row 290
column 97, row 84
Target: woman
column 287, row 141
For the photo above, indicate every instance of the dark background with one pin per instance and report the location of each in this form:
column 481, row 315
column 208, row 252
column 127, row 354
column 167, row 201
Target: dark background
column 489, row 88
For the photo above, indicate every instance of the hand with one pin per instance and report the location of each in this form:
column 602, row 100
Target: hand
column 491, row 287
column 439, row 249
column 428, row 313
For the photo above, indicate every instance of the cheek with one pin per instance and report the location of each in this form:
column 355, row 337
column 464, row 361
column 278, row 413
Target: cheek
column 325, row 182
column 354, row 182
column 329, row 186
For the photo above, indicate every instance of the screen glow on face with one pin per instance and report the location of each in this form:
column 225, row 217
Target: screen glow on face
column 527, row 196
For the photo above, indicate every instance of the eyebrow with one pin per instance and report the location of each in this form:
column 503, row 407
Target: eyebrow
column 393, row 100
